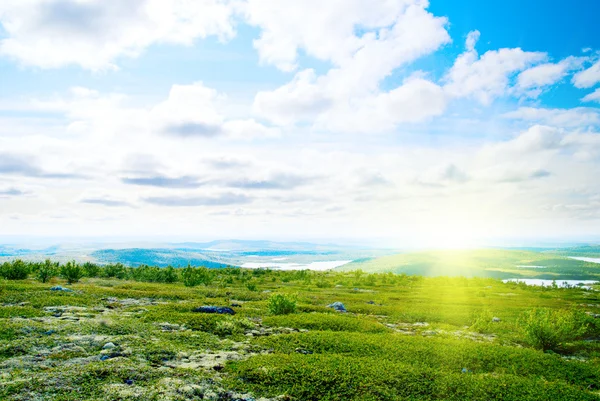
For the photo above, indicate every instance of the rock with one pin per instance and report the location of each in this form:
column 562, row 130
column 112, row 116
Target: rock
column 235, row 305
column 109, row 346
column 59, row 288
column 338, row 306
column 223, row 310
column 303, row 351
column 129, row 382
column 429, row 333
column 496, row 319
column 49, row 332
column 371, row 302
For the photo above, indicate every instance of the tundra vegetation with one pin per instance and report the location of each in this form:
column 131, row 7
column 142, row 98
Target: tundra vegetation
column 122, row 333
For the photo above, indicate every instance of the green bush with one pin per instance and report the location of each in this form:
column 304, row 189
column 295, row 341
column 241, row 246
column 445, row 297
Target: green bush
column 116, row 270
column 548, row 329
column 15, row 270
column 71, row 272
column 46, row 271
column 280, row 304
column 194, row 276
column 323, row 284
column 169, row 275
column 251, row 287
column 91, row 269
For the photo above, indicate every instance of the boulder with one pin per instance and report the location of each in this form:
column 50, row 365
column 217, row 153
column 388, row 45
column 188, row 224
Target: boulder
column 496, row 319
column 338, row 306
column 223, row 310
column 109, row 346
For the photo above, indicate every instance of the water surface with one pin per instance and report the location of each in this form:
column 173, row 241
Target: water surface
column 548, row 283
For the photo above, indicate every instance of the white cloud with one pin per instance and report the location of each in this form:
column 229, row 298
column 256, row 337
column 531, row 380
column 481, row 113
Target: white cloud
column 333, row 100
column 488, row 76
column 95, row 33
column 578, row 117
column 592, row 97
column 415, row 100
column 547, row 74
column 301, row 99
column 326, row 30
column 587, row 78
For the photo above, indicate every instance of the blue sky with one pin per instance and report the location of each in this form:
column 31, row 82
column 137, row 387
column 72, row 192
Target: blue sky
column 398, row 119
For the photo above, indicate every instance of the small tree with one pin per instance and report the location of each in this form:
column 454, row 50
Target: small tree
column 46, row 271
column 72, row 272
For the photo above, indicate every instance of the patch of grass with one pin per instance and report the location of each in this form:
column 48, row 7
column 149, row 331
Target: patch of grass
column 326, row 322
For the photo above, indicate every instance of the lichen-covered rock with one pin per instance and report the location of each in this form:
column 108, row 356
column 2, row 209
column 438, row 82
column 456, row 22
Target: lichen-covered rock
column 60, row 288
column 338, row 306
column 223, row 310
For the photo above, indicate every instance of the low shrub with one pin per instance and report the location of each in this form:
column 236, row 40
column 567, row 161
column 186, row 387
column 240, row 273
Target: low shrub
column 46, row 271
column 91, row 269
column 194, row 276
column 548, row 329
column 15, row 270
column 325, row 322
column 116, row 270
column 280, row 304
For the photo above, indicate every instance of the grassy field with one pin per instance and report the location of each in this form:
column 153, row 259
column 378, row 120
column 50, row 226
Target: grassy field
column 497, row 263
column 402, row 337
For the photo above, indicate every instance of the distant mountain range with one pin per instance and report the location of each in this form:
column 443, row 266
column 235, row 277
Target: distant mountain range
column 215, row 254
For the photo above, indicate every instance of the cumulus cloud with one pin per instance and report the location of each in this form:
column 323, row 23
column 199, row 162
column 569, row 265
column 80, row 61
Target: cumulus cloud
column 570, row 118
column 95, row 33
column 332, row 31
column 587, row 78
column 592, row 97
column 226, row 199
column 547, row 74
column 10, row 192
column 393, row 33
column 275, row 181
column 108, row 202
column 164, row 182
column 487, row 77
column 440, row 176
column 25, row 166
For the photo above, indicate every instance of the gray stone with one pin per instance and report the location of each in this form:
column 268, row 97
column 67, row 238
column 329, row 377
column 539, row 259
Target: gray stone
column 109, row 346
column 496, row 319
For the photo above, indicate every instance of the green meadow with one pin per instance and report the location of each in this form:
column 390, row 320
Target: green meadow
column 122, row 333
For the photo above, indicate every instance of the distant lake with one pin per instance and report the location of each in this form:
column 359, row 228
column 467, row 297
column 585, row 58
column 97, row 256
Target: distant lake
column 548, row 283
column 591, row 260
column 531, row 267
column 320, row 266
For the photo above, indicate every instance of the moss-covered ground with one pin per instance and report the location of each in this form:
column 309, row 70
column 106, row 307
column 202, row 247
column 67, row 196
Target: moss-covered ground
column 402, row 337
